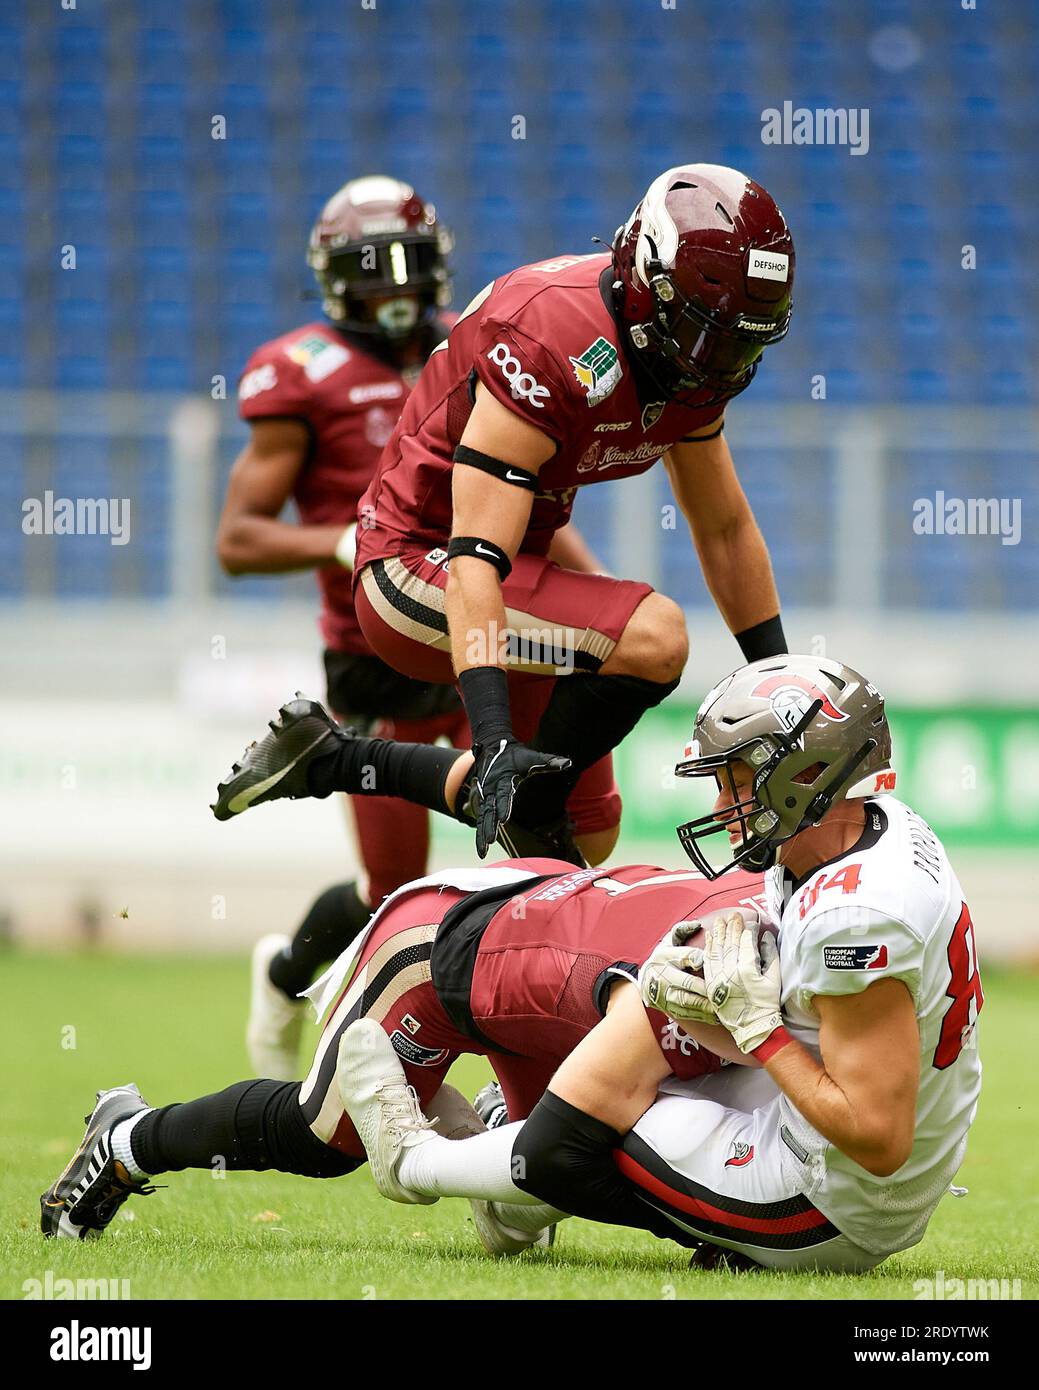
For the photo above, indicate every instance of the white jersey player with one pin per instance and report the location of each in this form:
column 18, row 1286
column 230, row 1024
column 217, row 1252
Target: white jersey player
column 890, row 909
column 833, row 1147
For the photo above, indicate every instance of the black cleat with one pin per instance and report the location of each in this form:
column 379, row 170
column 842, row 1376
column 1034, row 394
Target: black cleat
column 707, row 1256
column 489, row 1104
column 554, row 840
column 276, row 766
column 82, row 1202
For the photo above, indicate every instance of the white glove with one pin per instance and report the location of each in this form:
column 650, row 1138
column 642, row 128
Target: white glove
column 743, row 986
column 665, row 984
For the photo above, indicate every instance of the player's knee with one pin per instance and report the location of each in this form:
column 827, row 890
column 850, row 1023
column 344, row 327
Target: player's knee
column 541, row 1170
column 654, row 645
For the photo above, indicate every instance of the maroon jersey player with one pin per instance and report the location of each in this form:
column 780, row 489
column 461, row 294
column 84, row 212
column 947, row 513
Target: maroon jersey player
column 321, row 402
column 573, row 371
column 518, row 963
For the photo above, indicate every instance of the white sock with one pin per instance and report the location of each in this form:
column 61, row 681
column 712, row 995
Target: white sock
column 121, row 1147
column 477, row 1167
column 528, row 1219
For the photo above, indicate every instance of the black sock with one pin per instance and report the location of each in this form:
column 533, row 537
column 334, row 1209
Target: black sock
column 253, row 1125
column 333, row 921
column 383, row 767
column 585, row 718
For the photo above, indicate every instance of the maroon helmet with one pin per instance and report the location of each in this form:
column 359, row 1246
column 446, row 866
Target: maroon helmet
column 376, row 239
column 704, row 269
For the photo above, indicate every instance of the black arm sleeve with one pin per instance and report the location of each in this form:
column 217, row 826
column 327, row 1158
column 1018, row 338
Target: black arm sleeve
column 565, row 1157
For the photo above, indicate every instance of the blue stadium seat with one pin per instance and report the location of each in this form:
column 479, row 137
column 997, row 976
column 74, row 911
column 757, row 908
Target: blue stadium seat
column 166, row 326
column 79, row 108
column 244, row 54
column 80, row 167
column 162, row 110
column 164, row 219
column 80, row 372
column 166, row 373
column 81, row 52
column 12, row 116
column 247, row 220
column 161, row 164
column 927, row 384
column 161, row 52
column 245, row 108
column 325, row 55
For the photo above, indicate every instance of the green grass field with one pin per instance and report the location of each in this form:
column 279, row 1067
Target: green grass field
column 174, row 1025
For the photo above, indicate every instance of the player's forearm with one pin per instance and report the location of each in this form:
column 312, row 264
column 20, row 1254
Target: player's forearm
column 570, row 550
column 738, row 573
column 718, row 1040
column 476, row 618
column 867, row 1137
column 265, row 545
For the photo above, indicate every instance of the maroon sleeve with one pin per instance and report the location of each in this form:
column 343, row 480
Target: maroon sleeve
column 273, row 385
column 521, row 374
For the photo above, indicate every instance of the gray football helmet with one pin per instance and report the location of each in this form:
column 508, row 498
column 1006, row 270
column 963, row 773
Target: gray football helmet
column 783, row 716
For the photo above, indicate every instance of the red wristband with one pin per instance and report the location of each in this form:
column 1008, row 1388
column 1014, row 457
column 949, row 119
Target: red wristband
column 778, row 1038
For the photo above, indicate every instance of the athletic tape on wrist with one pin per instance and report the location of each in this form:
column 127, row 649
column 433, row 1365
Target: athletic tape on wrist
column 777, row 1039
column 480, row 550
column 498, row 468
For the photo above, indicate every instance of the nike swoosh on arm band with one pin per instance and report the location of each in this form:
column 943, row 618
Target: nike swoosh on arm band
column 480, row 549
column 498, row 468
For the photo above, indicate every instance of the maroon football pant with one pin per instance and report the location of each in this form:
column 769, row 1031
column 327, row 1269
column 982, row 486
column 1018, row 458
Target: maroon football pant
column 392, row 985
column 565, row 621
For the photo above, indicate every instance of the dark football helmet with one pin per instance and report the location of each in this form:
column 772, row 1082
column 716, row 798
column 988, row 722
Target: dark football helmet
column 812, row 731
column 704, row 270
column 380, row 258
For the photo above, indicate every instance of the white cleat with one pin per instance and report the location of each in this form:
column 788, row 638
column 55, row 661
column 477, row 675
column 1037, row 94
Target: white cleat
column 275, row 1021
column 455, row 1117
column 383, row 1107
column 500, row 1239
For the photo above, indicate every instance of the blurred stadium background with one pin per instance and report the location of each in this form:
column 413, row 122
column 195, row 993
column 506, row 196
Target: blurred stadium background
column 132, row 675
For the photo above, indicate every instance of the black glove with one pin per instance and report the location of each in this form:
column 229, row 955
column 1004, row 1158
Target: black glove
column 499, row 769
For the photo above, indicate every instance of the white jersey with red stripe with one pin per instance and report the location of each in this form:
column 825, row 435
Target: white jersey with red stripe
column 890, row 908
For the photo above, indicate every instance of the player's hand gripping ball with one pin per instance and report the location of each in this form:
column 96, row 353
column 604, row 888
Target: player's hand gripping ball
column 741, row 974
column 671, row 979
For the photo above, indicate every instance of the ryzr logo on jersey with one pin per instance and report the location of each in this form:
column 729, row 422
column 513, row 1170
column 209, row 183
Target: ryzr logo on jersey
column 259, row 379
column 522, row 385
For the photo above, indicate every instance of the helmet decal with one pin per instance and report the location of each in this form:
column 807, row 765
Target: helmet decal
column 379, row 188
column 658, row 237
column 790, row 696
column 769, row 265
